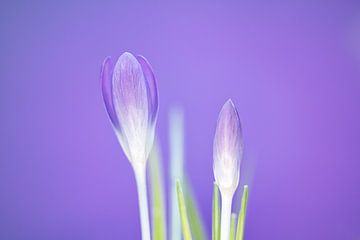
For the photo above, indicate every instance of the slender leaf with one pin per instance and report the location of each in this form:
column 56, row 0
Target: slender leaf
column 242, row 215
column 195, row 219
column 216, row 214
column 232, row 226
column 157, row 195
column 183, row 213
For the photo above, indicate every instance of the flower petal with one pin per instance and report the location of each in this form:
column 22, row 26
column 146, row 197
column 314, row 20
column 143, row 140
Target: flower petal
column 228, row 147
column 131, row 104
column 106, row 87
column 151, row 87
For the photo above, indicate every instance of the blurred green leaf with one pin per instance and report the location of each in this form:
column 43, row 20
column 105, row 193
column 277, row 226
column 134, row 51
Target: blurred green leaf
column 157, row 195
column 183, row 213
column 195, row 219
column 216, row 214
column 232, row 226
column 242, row 215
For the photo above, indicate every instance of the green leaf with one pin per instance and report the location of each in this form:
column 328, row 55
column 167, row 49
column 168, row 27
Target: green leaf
column 232, row 226
column 157, row 195
column 195, row 219
column 216, row 214
column 183, row 213
column 242, row 214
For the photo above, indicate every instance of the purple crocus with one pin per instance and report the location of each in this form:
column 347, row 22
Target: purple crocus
column 227, row 153
column 228, row 148
column 131, row 99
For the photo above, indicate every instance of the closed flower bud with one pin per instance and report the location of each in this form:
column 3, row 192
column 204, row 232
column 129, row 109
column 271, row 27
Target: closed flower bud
column 228, row 148
column 131, row 100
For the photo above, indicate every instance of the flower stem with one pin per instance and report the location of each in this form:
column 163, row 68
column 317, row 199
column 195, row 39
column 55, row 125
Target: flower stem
column 226, row 200
column 140, row 175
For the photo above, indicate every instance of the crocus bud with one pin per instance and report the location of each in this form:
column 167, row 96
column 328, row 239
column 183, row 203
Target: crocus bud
column 131, row 99
column 227, row 149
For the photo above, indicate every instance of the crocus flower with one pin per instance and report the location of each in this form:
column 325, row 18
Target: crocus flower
column 227, row 153
column 131, row 99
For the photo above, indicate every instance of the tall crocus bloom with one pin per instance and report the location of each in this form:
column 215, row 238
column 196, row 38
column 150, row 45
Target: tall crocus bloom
column 131, row 99
column 227, row 153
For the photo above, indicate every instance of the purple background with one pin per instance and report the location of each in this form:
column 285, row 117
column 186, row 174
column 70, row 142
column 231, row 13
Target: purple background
column 292, row 69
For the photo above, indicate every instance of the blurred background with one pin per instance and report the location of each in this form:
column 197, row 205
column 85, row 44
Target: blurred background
column 292, row 69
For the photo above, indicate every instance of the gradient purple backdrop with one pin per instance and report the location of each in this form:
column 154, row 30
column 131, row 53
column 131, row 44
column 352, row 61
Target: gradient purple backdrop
column 292, row 69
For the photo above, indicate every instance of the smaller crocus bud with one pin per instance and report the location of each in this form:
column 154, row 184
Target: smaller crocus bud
column 131, row 100
column 227, row 149
column 227, row 153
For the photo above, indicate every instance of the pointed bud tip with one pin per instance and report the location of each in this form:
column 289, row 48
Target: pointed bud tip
column 230, row 101
column 127, row 54
column 229, row 109
column 229, row 105
column 127, row 57
column 228, row 112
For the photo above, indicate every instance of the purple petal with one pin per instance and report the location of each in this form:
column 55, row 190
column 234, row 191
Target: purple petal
column 106, row 87
column 131, row 105
column 152, row 90
column 228, row 136
column 129, row 89
column 228, row 148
